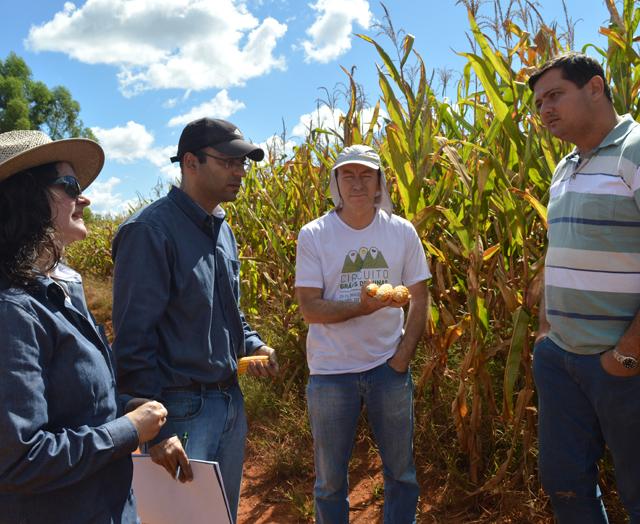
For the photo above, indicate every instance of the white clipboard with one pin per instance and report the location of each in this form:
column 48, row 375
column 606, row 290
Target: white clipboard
column 164, row 500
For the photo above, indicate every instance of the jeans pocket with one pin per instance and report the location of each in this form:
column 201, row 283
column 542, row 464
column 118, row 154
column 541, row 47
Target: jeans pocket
column 610, row 376
column 397, row 373
column 183, row 406
column 541, row 340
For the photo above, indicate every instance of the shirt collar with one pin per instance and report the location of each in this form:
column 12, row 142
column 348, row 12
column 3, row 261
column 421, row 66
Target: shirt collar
column 614, row 137
column 46, row 288
column 65, row 273
column 198, row 215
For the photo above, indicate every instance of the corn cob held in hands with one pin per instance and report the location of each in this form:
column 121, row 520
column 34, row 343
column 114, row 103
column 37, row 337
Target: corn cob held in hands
column 383, row 292
column 243, row 363
column 400, row 294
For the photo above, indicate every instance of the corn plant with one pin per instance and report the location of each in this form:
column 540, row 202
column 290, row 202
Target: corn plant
column 472, row 175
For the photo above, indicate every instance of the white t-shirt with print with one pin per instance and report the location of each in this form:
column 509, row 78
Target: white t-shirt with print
column 338, row 259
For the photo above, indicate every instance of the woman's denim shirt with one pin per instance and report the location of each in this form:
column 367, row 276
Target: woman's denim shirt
column 64, row 453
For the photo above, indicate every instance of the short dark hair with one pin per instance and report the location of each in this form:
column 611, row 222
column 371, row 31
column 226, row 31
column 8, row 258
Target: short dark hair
column 576, row 67
column 27, row 232
column 199, row 154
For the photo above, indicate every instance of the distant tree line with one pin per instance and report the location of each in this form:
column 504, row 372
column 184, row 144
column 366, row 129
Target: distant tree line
column 26, row 103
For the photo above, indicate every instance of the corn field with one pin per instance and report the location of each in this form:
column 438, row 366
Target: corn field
column 472, row 174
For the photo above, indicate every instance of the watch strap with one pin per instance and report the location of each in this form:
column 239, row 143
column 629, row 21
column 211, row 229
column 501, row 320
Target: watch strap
column 627, row 361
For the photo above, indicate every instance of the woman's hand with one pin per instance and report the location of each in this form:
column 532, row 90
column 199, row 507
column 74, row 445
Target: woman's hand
column 148, row 418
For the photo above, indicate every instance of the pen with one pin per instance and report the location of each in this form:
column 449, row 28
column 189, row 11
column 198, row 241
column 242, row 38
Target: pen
column 185, row 441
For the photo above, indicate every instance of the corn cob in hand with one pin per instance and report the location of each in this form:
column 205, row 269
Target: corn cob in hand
column 243, row 363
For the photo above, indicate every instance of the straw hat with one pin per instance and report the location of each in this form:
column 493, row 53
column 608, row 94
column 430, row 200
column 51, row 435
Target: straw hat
column 20, row 150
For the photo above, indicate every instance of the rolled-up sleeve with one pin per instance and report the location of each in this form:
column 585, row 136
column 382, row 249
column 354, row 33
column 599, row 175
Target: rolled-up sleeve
column 35, row 455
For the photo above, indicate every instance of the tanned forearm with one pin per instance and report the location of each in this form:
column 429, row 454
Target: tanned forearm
column 629, row 343
column 414, row 326
column 321, row 311
column 317, row 310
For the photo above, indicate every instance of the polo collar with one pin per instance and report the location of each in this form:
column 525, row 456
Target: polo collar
column 615, row 136
column 619, row 132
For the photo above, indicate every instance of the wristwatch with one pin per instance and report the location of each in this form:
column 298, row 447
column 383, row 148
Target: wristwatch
column 626, row 360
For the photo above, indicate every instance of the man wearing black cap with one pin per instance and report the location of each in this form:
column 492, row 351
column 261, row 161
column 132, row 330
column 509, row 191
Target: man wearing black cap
column 178, row 327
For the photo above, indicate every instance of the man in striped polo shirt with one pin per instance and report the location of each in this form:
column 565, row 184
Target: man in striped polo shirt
column 586, row 359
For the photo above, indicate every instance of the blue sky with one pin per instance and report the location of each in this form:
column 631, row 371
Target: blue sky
column 141, row 69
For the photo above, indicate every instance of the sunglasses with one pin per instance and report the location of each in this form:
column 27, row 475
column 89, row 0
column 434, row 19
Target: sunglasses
column 69, row 184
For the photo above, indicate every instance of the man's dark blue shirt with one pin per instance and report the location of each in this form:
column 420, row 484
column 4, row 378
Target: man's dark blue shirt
column 176, row 296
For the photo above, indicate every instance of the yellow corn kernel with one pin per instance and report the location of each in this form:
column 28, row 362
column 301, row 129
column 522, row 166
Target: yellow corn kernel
column 384, row 292
column 243, row 363
column 400, row 294
column 372, row 289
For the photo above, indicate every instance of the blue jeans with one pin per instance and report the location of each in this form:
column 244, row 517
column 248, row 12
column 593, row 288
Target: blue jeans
column 335, row 403
column 217, row 427
column 580, row 409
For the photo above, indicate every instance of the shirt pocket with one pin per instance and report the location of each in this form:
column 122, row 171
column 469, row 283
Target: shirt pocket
column 232, row 268
column 194, row 287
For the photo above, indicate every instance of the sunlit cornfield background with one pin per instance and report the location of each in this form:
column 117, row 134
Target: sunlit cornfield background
column 472, row 174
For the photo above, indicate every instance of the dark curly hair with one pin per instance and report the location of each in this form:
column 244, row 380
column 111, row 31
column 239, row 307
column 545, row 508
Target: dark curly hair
column 27, row 233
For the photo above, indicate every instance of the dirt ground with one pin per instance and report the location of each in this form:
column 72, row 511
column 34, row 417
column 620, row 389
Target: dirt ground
column 263, row 501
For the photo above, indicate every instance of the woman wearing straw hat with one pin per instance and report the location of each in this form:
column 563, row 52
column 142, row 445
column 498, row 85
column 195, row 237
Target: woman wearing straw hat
column 64, row 445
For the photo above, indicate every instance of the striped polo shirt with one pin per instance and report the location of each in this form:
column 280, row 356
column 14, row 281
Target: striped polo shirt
column 592, row 266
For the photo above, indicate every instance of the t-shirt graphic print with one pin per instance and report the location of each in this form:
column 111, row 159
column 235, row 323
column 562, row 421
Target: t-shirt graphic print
column 360, row 266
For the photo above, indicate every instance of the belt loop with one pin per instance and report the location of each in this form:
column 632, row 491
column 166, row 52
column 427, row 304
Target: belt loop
column 203, row 389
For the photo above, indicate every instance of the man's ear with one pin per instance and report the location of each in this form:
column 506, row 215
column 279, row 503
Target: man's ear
column 596, row 87
column 189, row 161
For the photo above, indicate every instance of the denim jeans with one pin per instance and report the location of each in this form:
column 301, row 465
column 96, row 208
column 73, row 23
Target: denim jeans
column 581, row 408
column 217, row 427
column 335, row 403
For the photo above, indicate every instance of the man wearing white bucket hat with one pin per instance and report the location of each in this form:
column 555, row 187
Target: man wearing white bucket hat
column 357, row 350
column 64, row 443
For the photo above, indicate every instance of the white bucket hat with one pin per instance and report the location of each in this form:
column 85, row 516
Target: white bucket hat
column 20, row 150
column 366, row 156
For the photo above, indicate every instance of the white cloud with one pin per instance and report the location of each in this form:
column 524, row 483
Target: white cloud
column 132, row 143
column 125, row 144
column 275, row 147
column 330, row 33
column 170, row 103
column 323, row 117
column 326, row 118
column 220, row 106
column 186, row 44
column 171, row 172
column 160, row 156
column 367, row 116
column 104, row 200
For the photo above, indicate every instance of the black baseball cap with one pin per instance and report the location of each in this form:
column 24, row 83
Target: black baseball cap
column 219, row 134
